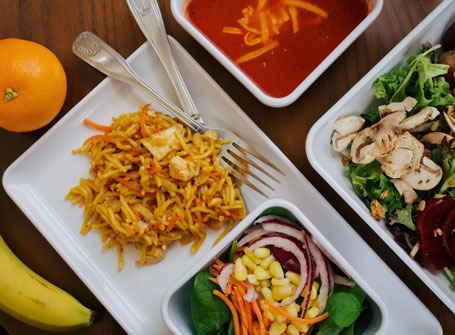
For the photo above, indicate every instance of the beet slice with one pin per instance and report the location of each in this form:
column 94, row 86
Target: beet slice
column 448, row 237
column 430, row 223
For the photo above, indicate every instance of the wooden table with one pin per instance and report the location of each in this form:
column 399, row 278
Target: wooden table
column 55, row 23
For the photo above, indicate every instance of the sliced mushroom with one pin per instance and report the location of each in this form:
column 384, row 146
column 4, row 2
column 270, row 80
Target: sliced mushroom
column 425, row 177
column 341, row 143
column 404, row 157
column 362, row 148
column 404, row 106
column 344, row 131
column 385, row 132
column 425, row 114
column 348, row 124
column 450, row 118
column 397, row 163
column 405, row 190
column 436, row 137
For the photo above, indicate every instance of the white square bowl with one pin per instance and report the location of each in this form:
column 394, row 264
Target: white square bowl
column 176, row 302
column 178, row 11
column 327, row 162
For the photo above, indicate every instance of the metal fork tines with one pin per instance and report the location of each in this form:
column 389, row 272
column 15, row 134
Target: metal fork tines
column 245, row 163
column 235, row 155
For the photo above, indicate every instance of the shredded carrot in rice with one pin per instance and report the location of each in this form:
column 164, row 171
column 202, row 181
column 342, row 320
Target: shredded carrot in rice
column 138, row 193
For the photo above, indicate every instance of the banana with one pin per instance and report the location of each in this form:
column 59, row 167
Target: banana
column 28, row 297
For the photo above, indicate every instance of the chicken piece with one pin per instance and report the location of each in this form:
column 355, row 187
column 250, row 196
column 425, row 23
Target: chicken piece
column 181, row 169
column 212, row 134
column 163, row 142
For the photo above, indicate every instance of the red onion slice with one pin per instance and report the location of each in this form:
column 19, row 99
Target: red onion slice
column 287, row 244
column 223, row 276
column 251, row 293
column 324, row 271
column 342, row 280
column 310, row 280
column 258, row 231
column 273, row 217
column 283, row 228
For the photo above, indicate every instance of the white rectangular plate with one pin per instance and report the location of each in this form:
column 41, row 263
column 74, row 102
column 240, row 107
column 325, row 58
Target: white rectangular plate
column 39, row 180
column 327, row 162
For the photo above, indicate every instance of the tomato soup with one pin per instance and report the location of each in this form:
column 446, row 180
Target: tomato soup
column 276, row 43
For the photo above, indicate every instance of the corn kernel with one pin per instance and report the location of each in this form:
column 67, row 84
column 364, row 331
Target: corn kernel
column 292, row 330
column 240, row 272
column 293, row 277
column 315, row 302
column 314, row 293
column 267, row 293
column 316, row 285
column 270, row 315
column 312, row 312
column 277, row 328
column 266, row 283
column 251, row 255
column 277, row 316
column 301, row 327
column 261, row 252
column 265, row 263
column 280, row 282
column 292, row 309
column 281, row 292
column 248, row 262
column 276, row 270
column 261, row 274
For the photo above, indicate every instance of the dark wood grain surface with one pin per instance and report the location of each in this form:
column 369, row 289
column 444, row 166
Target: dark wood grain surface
column 56, row 23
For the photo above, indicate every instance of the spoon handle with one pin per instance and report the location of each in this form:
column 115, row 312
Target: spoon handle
column 105, row 59
column 148, row 16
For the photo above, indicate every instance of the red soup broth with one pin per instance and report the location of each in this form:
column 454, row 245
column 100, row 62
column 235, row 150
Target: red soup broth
column 295, row 40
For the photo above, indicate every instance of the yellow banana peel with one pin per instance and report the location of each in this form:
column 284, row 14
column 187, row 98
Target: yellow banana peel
column 30, row 298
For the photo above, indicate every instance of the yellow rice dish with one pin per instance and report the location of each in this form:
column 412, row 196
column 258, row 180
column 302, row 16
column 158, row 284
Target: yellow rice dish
column 154, row 181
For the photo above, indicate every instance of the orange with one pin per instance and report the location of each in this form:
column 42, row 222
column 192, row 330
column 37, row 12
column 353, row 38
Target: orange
column 32, row 85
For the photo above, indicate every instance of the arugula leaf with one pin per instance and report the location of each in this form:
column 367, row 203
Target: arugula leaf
column 451, row 275
column 404, row 216
column 420, row 78
column 369, row 181
column 448, row 168
column 209, row 313
column 386, row 85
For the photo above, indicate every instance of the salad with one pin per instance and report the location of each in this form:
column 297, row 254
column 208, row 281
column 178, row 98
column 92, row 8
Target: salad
column 400, row 155
column 276, row 280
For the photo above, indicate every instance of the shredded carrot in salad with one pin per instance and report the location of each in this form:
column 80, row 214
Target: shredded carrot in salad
column 256, row 316
column 261, row 24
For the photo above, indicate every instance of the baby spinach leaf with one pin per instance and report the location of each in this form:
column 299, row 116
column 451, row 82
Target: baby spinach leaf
column 328, row 327
column 344, row 308
column 210, row 314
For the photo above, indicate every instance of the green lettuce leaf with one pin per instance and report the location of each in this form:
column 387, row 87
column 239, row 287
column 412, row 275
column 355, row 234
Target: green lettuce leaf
column 420, row 78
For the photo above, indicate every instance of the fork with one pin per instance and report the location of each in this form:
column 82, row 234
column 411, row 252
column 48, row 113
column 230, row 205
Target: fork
column 233, row 155
column 148, row 17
